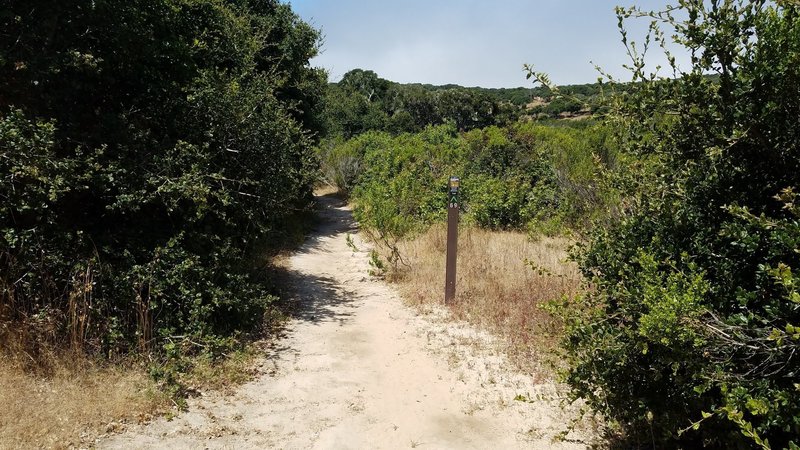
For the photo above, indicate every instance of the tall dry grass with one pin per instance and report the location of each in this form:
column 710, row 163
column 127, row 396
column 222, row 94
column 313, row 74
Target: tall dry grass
column 73, row 404
column 53, row 394
column 496, row 288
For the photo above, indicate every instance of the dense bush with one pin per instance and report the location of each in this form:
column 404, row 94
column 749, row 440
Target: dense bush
column 150, row 151
column 403, row 183
column 526, row 176
column 689, row 337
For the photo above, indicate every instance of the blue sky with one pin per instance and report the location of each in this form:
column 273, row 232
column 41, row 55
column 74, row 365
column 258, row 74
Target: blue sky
column 470, row 42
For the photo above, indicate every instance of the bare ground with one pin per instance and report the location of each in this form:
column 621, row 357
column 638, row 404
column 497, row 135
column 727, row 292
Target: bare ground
column 357, row 369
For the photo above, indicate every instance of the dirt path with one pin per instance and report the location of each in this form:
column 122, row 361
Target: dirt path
column 357, row 369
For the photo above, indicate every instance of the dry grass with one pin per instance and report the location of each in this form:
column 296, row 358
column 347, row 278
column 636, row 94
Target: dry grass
column 73, row 404
column 62, row 399
column 495, row 289
column 223, row 375
column 55, row 397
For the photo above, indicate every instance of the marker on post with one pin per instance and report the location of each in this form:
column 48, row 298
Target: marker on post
column 452, row 240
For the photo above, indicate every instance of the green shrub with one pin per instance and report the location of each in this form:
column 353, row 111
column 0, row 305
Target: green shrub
column 528, row 176
column 688, row 337
column 403, row 185
column 496, row 203
column 342, row 163
column 149, row 155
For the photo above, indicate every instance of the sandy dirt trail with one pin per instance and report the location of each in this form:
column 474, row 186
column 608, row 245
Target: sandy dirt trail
column 357, row 369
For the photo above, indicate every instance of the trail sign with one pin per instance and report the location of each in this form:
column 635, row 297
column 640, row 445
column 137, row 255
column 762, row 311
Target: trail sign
column 452, row 240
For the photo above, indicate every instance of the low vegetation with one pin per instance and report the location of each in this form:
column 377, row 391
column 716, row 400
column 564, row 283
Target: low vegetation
column 524, row 176
column 504, row 281
column 74, row 403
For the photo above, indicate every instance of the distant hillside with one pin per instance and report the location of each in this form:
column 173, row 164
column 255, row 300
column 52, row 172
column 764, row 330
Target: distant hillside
column 517, row 96
column 363, row 101
column 520, row 95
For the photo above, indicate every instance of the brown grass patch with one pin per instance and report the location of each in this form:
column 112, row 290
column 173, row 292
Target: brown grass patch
column 223, row 375
column 495, row 289
column 73, row 404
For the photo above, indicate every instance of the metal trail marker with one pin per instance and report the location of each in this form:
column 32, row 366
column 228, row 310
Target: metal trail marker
column 452, row 240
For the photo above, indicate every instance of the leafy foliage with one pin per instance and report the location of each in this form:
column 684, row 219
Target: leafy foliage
column 689, row 336
column 524, row 176
column 150, row 152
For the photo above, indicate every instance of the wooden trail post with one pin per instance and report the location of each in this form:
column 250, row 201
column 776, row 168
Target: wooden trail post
column 452, row 240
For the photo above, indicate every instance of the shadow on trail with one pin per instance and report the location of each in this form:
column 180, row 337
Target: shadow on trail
column 333, row 219
column 313, row 298
column 316, row 299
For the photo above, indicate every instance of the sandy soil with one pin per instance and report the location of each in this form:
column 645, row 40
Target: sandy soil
column 357, row 369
